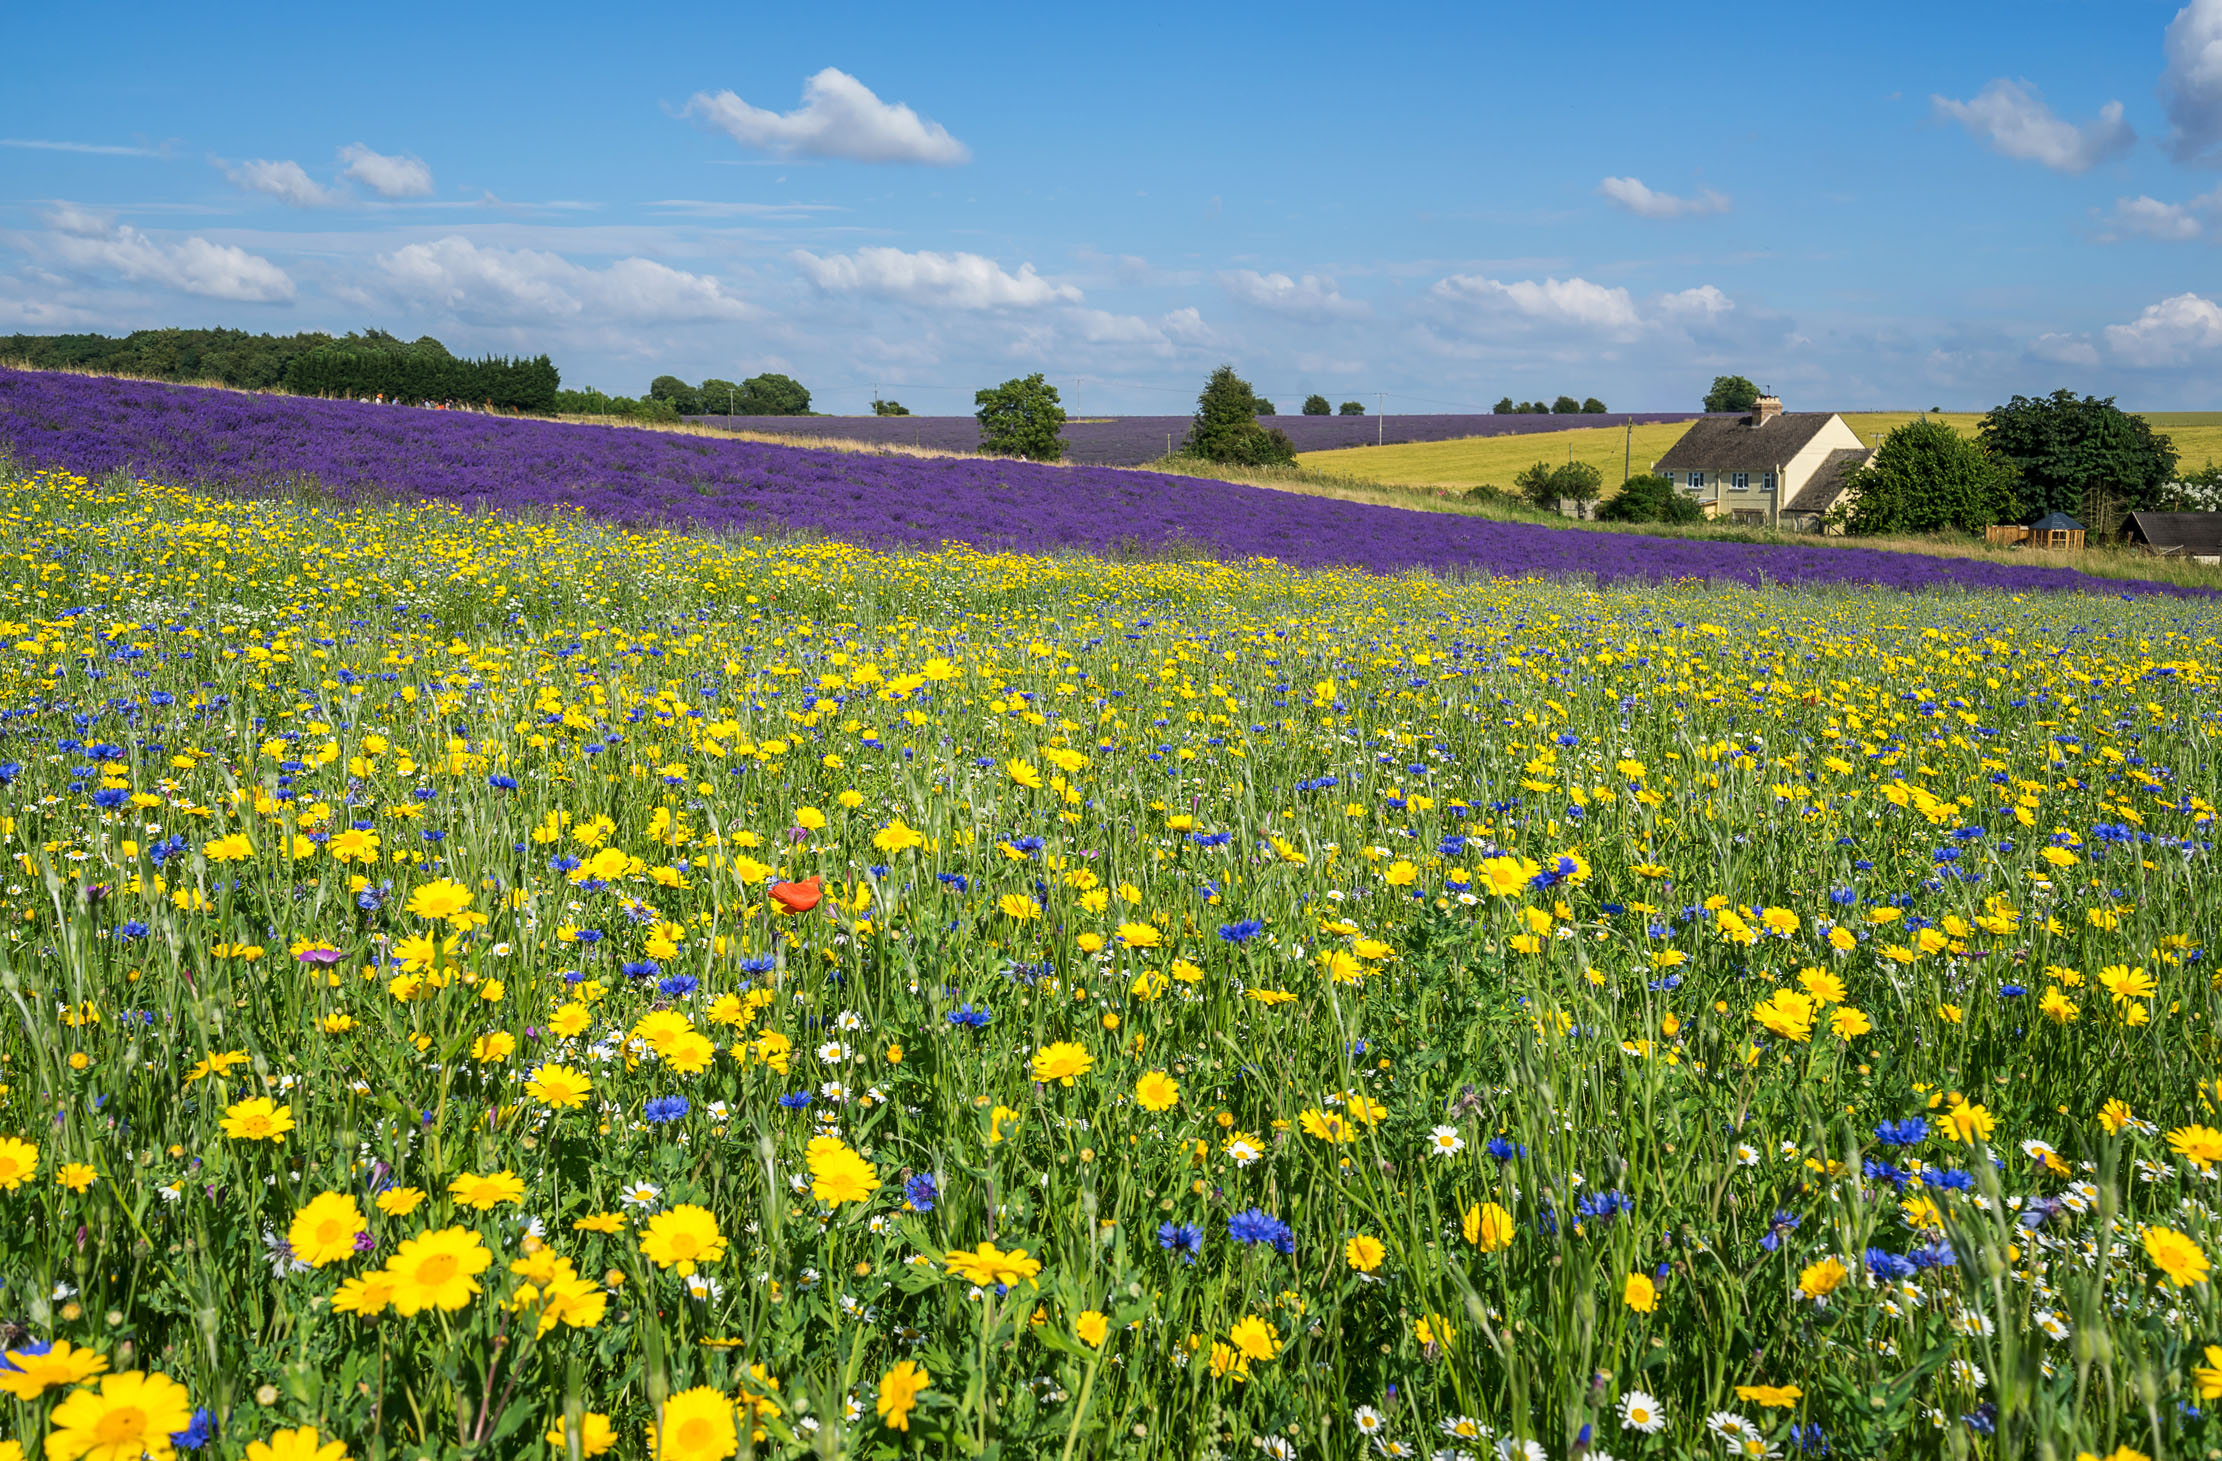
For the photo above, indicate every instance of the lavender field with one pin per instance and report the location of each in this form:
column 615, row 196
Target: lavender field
column 1129, row 441
column 188, row 436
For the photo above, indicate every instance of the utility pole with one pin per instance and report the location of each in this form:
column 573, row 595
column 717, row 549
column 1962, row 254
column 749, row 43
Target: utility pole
column 1380, row 428
column 1628, row 453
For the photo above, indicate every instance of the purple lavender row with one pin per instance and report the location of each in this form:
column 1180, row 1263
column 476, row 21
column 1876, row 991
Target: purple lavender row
column 1129, row 441
column 227, row 439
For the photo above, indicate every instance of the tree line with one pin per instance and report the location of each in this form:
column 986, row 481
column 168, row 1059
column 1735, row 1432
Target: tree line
column 312, row 363
column 1563, row 406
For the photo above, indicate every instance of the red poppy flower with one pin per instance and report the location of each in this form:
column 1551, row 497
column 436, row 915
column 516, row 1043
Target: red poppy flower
column 798, row 897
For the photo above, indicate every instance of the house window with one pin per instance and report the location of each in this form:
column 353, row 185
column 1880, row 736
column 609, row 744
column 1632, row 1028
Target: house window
column 1767, row 482
column 1697, row 481
column 1739, row 482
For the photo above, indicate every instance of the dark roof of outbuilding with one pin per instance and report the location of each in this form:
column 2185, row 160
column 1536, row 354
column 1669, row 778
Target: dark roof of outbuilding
column 2199, row 532
column 1733, row 444
column 1826, row 484
column 2056, row 522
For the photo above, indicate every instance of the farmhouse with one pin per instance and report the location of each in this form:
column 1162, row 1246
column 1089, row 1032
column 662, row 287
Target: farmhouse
column 2193, row 535
column 1773, row 467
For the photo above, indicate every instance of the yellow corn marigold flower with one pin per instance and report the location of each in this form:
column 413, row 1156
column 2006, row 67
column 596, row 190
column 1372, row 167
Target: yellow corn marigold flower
column 129, row 1415
column 682, row 1237
column 488, row 1191
column 1157, row 1091
column 988, row 1264
column 437, row 1271
column 28, row 1376
column 299, row 1444
column 900, row 1388
column 1091, row 1328
column 19, row 1161
column 559, row 1087
column 2180, row 1259
column 1640, row 1293
column 1488, row 1227
column 257, row 1118
column 324, row 1231
column 442, row 899
column 1819, row 1280
column 696, row 1425
column 1061, row 1061
column 1364, row 1253
column 1255, row 1337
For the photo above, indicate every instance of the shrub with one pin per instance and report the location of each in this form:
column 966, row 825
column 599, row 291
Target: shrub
column 1350, row 408
column 1022, row 417
column 1731, row 393
column 1566, row 406
column 1593, row 407
column 1226, row 427
column 1927, row 478
column 889, row 408
column 1649, row 498
column 1316, row 405
column 1504, row 407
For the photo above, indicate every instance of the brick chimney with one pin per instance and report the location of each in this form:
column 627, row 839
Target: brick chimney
column 1765, row 409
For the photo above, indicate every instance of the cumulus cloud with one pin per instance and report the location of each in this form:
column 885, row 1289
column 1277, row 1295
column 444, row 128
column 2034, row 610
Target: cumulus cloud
column 839, row 117
column 1631, row 194
column 2144, row 217
column 2168, row 333
column 1315, row 296
column 90, row 242
column 2191, row 83
column 1572, row 302
column 2065, row 349
column 2015, row 120
column 498, row 285
column 1702, row 303
column 950, row 280
column 388, row 177
column 288, row 182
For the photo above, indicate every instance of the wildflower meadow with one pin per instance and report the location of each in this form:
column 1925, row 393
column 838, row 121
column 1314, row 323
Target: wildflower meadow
column 515, row 985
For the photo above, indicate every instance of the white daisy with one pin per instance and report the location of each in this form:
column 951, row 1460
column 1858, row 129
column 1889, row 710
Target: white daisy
column 1641, row 1411
column 640, row 1195
column 1445, row 1141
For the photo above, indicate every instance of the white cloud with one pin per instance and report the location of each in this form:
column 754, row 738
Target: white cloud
column 2191, row 83
column 2144, row 217
column 2168, row 333
column 288, row 182
column 2065, row 349
column 2014, row 119
column 1315, row 296
column 839, row 117
column 953, row 280
column 1575, row 302
column 1631, row 194
column 388, row 177
column 1701, row 303
column 87, row 241
column 90, row 149
column 497, row 285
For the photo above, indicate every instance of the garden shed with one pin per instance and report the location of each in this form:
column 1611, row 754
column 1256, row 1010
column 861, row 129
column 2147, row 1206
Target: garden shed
column 2193, row 535
column 2055, row 530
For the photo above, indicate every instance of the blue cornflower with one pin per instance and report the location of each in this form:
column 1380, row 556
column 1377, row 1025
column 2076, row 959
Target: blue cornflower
column 502, row 783
column 133, row 929
column 920, row 1191
column 644, row 969
column 2013, row 991
column 666, row 1108
column 795, row 1100
column 563, row 864
column 1503, row 1150
column 108, row 799
column 677, row 985
column 1910, row 1132
column 1782, row 1222
column 197, row 1433
column 1184, row 1240
column 760, row 964
column 971, row 1017
column 1933, row 1255
column 954, row 880
column 1248, row 928
column 1604, row 1206
column 1256, row 1225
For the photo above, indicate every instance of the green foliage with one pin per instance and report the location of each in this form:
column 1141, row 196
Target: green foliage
column 1022, row 417
column 1566, row 406
column 227, row 357
column 1315, row 404
column 1226, row 427
column 1649, row 498
column 1591, row 406
column 889, row 408
column 591, row 402
column 717, row 397
column 2082, row 456
column 773, row 395
column 372, row 364
column 1350, row 408
column 1928, row 478
column 1504, row 407
column 681, row 397
column 1731, row 393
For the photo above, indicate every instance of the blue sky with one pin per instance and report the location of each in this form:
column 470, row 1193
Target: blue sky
column 1896, row 205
